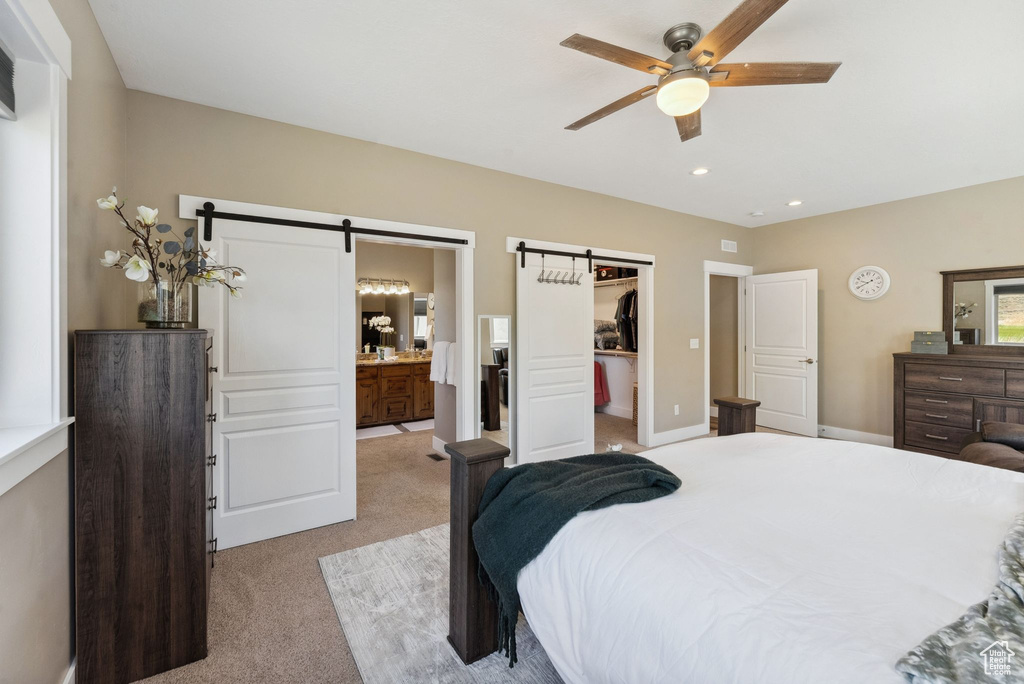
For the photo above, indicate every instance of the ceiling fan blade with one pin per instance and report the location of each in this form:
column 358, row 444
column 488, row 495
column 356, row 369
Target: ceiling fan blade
column 621, row 103
column 773, row 73
column 688, row 126
column 734, row 29
column 614, row 53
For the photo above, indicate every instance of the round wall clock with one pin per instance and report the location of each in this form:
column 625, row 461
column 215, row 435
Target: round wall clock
column 869, row 282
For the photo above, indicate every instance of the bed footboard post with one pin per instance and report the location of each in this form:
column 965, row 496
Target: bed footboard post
column 472, row 617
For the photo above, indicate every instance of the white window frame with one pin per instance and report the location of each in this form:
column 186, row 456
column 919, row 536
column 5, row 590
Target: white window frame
column 992, row 311
column 36, row 430
column 495, row 343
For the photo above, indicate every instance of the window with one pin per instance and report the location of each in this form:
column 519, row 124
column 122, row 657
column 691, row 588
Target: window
column 1008, row 306
column 499, row 331
column 33, row 172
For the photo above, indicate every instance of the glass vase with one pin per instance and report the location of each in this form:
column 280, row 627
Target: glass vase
column 165, row 304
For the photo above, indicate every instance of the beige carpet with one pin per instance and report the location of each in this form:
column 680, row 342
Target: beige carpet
column 271, row 618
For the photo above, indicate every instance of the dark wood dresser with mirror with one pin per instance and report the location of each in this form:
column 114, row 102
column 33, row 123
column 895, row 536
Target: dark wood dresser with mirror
column 939, row 399
column 143, row 502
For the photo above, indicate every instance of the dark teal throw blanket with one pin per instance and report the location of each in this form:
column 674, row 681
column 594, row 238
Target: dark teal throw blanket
column 525, row 506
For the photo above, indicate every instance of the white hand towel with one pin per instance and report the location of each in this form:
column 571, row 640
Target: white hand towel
column 450, row 370
column 439, row 362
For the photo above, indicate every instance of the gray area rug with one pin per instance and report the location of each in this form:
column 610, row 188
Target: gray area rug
column 392, row 601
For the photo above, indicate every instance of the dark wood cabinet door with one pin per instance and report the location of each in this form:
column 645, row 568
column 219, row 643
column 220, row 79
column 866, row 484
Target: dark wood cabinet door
column 367, row 401
column 423, row 398
column 396, row 409
column 1001, row 410
column 141, row 572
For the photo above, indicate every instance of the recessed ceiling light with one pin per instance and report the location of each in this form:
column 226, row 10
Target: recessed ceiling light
column 757, row 214
column 794, row 203
column 699, row 172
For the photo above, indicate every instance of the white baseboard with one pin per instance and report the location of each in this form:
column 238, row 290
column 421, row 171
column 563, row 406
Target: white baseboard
column 620, row 411
column 854, row 435
column 438, row 445
column 69, row 678
column 678, row 435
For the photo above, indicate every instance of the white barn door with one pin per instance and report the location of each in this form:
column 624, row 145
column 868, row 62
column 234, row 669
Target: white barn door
column 782, row 350
column 554, row 362
column 285, row 429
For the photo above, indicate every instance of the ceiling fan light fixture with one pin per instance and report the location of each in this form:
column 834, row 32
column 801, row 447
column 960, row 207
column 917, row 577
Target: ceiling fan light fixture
column 683, row 92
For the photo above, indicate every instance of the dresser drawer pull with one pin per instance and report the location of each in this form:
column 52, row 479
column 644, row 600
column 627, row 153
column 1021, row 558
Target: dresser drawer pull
column 935, row 415
column 936, row 401
column 944, row 439
column 946, row 377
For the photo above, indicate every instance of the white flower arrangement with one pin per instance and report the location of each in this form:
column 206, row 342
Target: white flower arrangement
column 178, row 261
column 963, row 310
column 382, row 324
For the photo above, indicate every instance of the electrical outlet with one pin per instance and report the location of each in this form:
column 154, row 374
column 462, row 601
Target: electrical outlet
column 401, row 338
column 694, row 343
column 728, row 245
column 676, row 409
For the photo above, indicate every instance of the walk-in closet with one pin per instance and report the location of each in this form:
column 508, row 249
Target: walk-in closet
column 616, row 347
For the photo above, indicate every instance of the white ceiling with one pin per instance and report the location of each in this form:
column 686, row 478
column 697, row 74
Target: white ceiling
column 929, row 97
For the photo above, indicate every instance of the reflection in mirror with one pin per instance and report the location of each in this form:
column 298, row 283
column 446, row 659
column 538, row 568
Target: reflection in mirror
column 422, row 320
column 989, row 312
column 493, row 346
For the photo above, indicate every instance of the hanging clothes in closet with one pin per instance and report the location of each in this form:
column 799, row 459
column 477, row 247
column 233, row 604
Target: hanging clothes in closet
column 626, row 319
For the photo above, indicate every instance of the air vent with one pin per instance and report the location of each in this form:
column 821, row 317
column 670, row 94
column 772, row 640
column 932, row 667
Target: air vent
column 728, row 245
column 6, row 84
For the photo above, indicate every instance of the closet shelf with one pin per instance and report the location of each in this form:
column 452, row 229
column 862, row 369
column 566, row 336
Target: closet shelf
column 614, row 281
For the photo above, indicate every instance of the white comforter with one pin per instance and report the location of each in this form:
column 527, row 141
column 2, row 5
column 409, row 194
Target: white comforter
column 780, row 559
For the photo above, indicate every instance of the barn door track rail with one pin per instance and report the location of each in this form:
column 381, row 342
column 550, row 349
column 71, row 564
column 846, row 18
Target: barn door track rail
column 588, row 255
column 209, row 212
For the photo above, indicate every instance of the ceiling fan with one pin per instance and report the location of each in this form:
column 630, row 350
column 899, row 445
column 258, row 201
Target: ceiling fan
column 686, row 77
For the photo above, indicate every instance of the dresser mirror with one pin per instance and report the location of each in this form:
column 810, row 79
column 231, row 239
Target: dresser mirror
column 493, row 347
column 983, row 311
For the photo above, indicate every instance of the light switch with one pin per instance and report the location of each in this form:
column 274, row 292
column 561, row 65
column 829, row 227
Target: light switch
column 694, row 343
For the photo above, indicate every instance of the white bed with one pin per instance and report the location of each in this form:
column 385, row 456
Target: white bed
column 780, row 559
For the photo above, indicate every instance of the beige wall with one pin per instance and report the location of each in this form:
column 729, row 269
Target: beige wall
column 723, row 343
column 177, row 147
column 35, row 579
column 445, row 331
column 913, row 240
column 376, row 260
column 35, row 523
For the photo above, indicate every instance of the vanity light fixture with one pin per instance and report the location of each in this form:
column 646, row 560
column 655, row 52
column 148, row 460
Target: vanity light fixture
column 699, row 172
column 383, row 286
column 794, row 203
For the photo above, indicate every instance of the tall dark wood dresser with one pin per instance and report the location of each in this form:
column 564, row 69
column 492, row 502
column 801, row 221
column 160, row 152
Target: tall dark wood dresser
column 940, row 399
column 143, row 503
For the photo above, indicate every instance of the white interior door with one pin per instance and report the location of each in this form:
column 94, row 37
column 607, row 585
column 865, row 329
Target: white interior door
column 554, row 362
column 284, row 387
column 782, row 349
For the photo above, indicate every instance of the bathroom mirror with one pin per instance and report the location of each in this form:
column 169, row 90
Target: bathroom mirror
column 495, row 377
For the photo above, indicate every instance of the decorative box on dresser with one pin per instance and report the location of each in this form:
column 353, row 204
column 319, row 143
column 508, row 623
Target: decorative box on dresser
column 143, row 504
column 940, row 399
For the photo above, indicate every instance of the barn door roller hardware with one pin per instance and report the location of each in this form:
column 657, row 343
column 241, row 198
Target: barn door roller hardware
column 209, row 212
column 588, row 255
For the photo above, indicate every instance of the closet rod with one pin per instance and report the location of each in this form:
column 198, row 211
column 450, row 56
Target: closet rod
column 588, row 255
column 208, row 213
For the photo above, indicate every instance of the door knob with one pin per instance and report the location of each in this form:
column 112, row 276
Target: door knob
column 807, row 361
